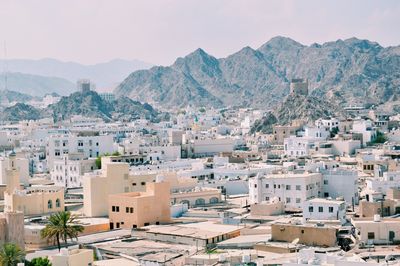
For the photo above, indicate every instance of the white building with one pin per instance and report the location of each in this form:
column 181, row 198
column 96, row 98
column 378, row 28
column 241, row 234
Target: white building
column 68, row 171
column 384, row 182
column 291, row 188
column 340, row 182
column 323, row 209
column 209, row 146
column 364, row 127
column 91, row 144
column 327, row 123
column 317, row 132
column 298, row 146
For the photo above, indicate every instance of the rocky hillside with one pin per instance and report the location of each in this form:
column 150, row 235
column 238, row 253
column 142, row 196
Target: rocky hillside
column 308, row 109
column 20, row 111
column 88, row 104
column 344, row 72
column 92, row 105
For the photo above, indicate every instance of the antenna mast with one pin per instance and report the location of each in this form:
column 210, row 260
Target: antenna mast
column 5, row 67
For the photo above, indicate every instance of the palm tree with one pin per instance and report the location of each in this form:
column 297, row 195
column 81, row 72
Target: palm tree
column 11, row 254
column 62, row 225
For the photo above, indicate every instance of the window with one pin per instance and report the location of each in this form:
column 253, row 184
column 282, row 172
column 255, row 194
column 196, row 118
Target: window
column 287, row 187
column 133, row 184
column 266, row 198
column 127, row 209
column 49, row 204
column 80, row 143
column 298, row 200
column 131, row 209
column 371, row 235
column 320, row 209
column 117, row 208
column 287, row 200
column 331, row 209
column 143, row 183
column 266, row 185
column 58, row 204
column 310, row 209
column 57, row 153
column 298, row 187
column 255, row 185
column 113, row 208
column 325, row 182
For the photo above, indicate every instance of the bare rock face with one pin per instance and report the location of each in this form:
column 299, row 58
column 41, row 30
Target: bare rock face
column 87, row 103
column 343, row 72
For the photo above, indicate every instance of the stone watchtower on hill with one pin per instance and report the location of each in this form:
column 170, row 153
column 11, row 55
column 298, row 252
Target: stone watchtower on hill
column 299, row 87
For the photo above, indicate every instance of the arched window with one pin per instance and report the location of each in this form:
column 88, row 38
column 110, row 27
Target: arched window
column 58, row 203
column 50, row 204
column 200, row 202
column 214, row 200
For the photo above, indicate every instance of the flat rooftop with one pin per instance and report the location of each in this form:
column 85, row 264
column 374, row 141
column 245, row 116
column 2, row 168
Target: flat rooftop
column 201, row 230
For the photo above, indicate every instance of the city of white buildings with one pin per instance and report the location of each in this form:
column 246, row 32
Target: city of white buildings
column 179, row 192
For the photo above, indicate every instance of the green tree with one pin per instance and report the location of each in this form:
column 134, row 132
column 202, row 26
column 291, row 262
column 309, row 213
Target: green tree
column 39, row 262
column 380, row 138
column 11, row 254
column 98, row 160
column 61, row 226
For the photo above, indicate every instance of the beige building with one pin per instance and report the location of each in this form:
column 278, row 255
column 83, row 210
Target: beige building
column 35, row 200
column 73, row 257
column 377, row 230
column 386, row 207
column 308, row 234
column 137, row 209
column 12, row 228
column 115, row 178
column 14, row 162
column 194, row 234
column 199, row 196
column 267, row 208
column 33, row 239
column 112, row 179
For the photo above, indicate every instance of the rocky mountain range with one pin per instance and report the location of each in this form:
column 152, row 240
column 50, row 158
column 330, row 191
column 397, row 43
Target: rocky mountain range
column 35, row 85
column 87, row 103
column 39, row 77
column 342, row 72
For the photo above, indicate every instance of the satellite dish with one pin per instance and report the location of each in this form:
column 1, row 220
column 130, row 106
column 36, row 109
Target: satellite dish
column 295, row 241
column 389, row 257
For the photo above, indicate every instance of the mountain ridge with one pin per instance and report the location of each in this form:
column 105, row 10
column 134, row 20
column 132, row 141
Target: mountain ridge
column 344, row 72
column 105, row 74
column 87, row 103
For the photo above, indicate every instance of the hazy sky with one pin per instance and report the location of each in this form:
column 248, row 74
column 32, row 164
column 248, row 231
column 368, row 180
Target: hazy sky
column 91, row 31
